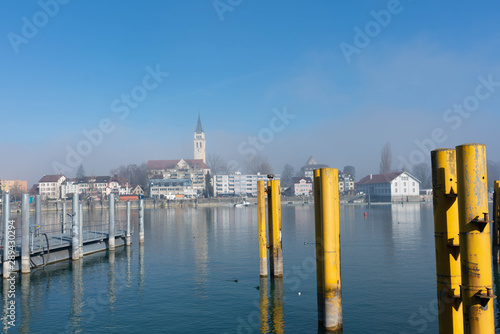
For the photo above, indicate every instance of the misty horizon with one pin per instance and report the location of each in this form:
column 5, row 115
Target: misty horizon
column 130, row 80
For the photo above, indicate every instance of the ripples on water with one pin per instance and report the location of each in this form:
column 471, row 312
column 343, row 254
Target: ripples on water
column 198, row 272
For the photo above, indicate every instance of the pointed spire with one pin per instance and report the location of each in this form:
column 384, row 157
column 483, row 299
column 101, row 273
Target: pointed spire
column 199, row 128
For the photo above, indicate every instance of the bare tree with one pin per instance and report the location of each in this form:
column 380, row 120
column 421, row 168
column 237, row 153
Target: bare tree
column 386, row 159
column 258, row 164
column 286, row 175
column 16, row 191
column 135, row 174
column 217, row 165
column 422, row 171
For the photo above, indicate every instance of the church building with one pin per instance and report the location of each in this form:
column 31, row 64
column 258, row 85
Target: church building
column 187, row 176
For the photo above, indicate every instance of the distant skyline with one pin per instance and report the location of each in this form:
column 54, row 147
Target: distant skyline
column 131, row 77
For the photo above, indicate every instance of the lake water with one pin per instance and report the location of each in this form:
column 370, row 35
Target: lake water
column 199, row 269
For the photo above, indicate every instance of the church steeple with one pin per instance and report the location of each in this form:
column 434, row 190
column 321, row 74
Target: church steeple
column 199, row 128
column 199, row 141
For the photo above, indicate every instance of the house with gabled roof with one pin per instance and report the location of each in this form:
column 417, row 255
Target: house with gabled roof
column 49, row 186
column 390, row 187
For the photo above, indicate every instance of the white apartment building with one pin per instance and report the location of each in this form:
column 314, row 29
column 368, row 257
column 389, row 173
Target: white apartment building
column 390, row 187
column 237, row 184
column 49, row 186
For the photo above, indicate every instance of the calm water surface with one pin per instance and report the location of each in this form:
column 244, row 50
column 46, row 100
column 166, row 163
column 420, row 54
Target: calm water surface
column 198, row 272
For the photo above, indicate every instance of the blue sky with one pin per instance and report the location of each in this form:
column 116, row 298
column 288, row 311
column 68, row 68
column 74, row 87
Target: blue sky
column 409, row 70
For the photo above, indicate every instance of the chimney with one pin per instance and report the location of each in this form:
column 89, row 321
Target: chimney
column 371, row 176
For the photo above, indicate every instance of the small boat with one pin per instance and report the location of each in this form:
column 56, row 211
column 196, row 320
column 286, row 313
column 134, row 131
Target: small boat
column 242, row 203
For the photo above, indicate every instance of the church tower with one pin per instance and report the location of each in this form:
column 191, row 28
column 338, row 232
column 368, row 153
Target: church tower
column 199, row 142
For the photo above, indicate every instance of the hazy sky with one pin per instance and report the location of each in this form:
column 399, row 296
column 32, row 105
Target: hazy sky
column 119, row 82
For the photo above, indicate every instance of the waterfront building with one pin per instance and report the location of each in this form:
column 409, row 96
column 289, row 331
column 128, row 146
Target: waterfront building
column 192, row 169
column 238, row 184
column 171, row 189
column 137, row 190
column 302, row 186
column 390, row 187
column 346, row 183
column 49, row 186
column 20, row 186
column 95, row 186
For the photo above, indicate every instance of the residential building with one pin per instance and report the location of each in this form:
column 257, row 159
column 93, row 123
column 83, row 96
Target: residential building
column 199, row 142
column 311, row 165
column 49, row 186
column 95, row 186
column 137, row 190
column 390, row 187
column 237, row 184
column 346, row 183
column 171, row 189
column 192, row 169
column 20, row 186
column 302, row 186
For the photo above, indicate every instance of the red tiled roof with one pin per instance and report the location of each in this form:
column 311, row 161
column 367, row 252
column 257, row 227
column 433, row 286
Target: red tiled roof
column 50, row 178
column 379, row 178
column 170, row 164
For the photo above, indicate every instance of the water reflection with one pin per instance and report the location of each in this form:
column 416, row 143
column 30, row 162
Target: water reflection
column 111, row 277
column 264, row 305
column 24, row 327
column 76, row 318
column 276, row 306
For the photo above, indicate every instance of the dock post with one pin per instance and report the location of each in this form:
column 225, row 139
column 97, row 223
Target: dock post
column 80, row 221
column 318, row 229
column 331, row 249
column 75, row 239
column 141, row 221
column 63, row 230
column 111, row 236
column 274, row 213
column 128, row 238
column 6, row 220
column 446, row 236
column 261, row 203
column 38, row 211
column 496, row 223
column 475, row 242
column 25, row 233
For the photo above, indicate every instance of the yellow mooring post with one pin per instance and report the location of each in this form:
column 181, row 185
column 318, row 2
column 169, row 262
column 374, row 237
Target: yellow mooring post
column 261, row 213
column 319, row 250
column 446, row 236
column 475, row 242
column 496, row 223
column 331, row 249
column 274, row 222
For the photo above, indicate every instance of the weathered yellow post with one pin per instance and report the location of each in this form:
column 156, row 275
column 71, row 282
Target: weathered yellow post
column 446, row 236
column 331, row 249
column 496, row 223
column 261, row 213
column 319, row 250
column 274, row 222
column 475, row 242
